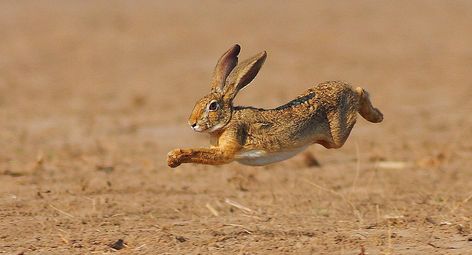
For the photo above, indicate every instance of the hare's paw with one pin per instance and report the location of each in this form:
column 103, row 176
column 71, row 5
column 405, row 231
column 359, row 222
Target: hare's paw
column 174, row 158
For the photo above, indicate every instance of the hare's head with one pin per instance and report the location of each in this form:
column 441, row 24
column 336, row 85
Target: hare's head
column 214, row 111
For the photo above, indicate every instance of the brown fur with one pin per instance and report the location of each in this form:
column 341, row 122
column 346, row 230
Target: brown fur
column 324, row 114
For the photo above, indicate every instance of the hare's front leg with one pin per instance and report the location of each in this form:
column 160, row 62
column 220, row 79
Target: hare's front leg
column 207, row 156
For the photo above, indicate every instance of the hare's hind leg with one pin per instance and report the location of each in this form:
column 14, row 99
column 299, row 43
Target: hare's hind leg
column 210, row 156
column 366, row 109
column 340, row 123
column 342, row 120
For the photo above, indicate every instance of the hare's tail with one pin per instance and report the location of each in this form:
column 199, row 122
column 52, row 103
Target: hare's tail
column 366, row 109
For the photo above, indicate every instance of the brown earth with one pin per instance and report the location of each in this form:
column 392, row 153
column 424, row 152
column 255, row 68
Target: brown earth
column 93, row 94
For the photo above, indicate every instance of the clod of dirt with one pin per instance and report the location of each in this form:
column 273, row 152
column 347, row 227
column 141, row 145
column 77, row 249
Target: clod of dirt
column 39, row 164
column 376, row 158
column 118, row 245
column 105, row 168
column 180, row 239
column 310, row 161
column 241, row 182
column 432, row 161
column 12, row 173
column 431, row 220
column 139, row 101
column 464, row 230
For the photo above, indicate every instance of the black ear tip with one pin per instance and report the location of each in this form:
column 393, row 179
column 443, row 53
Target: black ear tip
column 236, row 48
column 264, row 54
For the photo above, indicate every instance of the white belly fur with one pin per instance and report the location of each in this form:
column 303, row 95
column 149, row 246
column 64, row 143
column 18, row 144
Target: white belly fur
column 262, row 157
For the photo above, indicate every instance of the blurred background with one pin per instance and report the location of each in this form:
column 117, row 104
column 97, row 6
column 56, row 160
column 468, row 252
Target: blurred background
column 93, row 94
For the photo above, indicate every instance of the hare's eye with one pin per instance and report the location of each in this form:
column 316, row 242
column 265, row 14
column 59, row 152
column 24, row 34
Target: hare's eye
column 213, row 106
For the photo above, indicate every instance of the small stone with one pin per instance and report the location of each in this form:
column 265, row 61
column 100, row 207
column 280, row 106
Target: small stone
column 118, row 245
column 180, row 239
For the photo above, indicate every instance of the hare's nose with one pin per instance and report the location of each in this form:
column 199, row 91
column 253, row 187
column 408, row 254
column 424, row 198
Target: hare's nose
column 193, row 124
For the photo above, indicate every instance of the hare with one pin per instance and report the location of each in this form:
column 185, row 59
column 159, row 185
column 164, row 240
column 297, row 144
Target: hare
column 324, row 114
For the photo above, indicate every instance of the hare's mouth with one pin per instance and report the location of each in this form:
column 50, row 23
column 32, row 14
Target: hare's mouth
column 198, row 128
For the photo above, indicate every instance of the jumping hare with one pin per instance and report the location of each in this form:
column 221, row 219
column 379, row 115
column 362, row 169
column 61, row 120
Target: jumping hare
column 324, row 114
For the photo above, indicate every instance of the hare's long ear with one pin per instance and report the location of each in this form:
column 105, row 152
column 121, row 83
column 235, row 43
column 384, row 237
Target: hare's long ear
column 242, row 75
column 225, row 64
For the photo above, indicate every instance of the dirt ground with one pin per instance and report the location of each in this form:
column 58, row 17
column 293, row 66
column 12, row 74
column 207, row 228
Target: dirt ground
column 93, row 94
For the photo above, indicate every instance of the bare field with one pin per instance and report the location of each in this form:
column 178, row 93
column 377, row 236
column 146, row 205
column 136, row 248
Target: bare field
column 93, row 94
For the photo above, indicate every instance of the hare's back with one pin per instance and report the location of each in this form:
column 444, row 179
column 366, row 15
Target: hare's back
column 333, row 93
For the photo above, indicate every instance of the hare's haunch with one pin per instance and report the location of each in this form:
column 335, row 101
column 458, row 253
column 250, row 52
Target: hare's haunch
column 324, row 114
